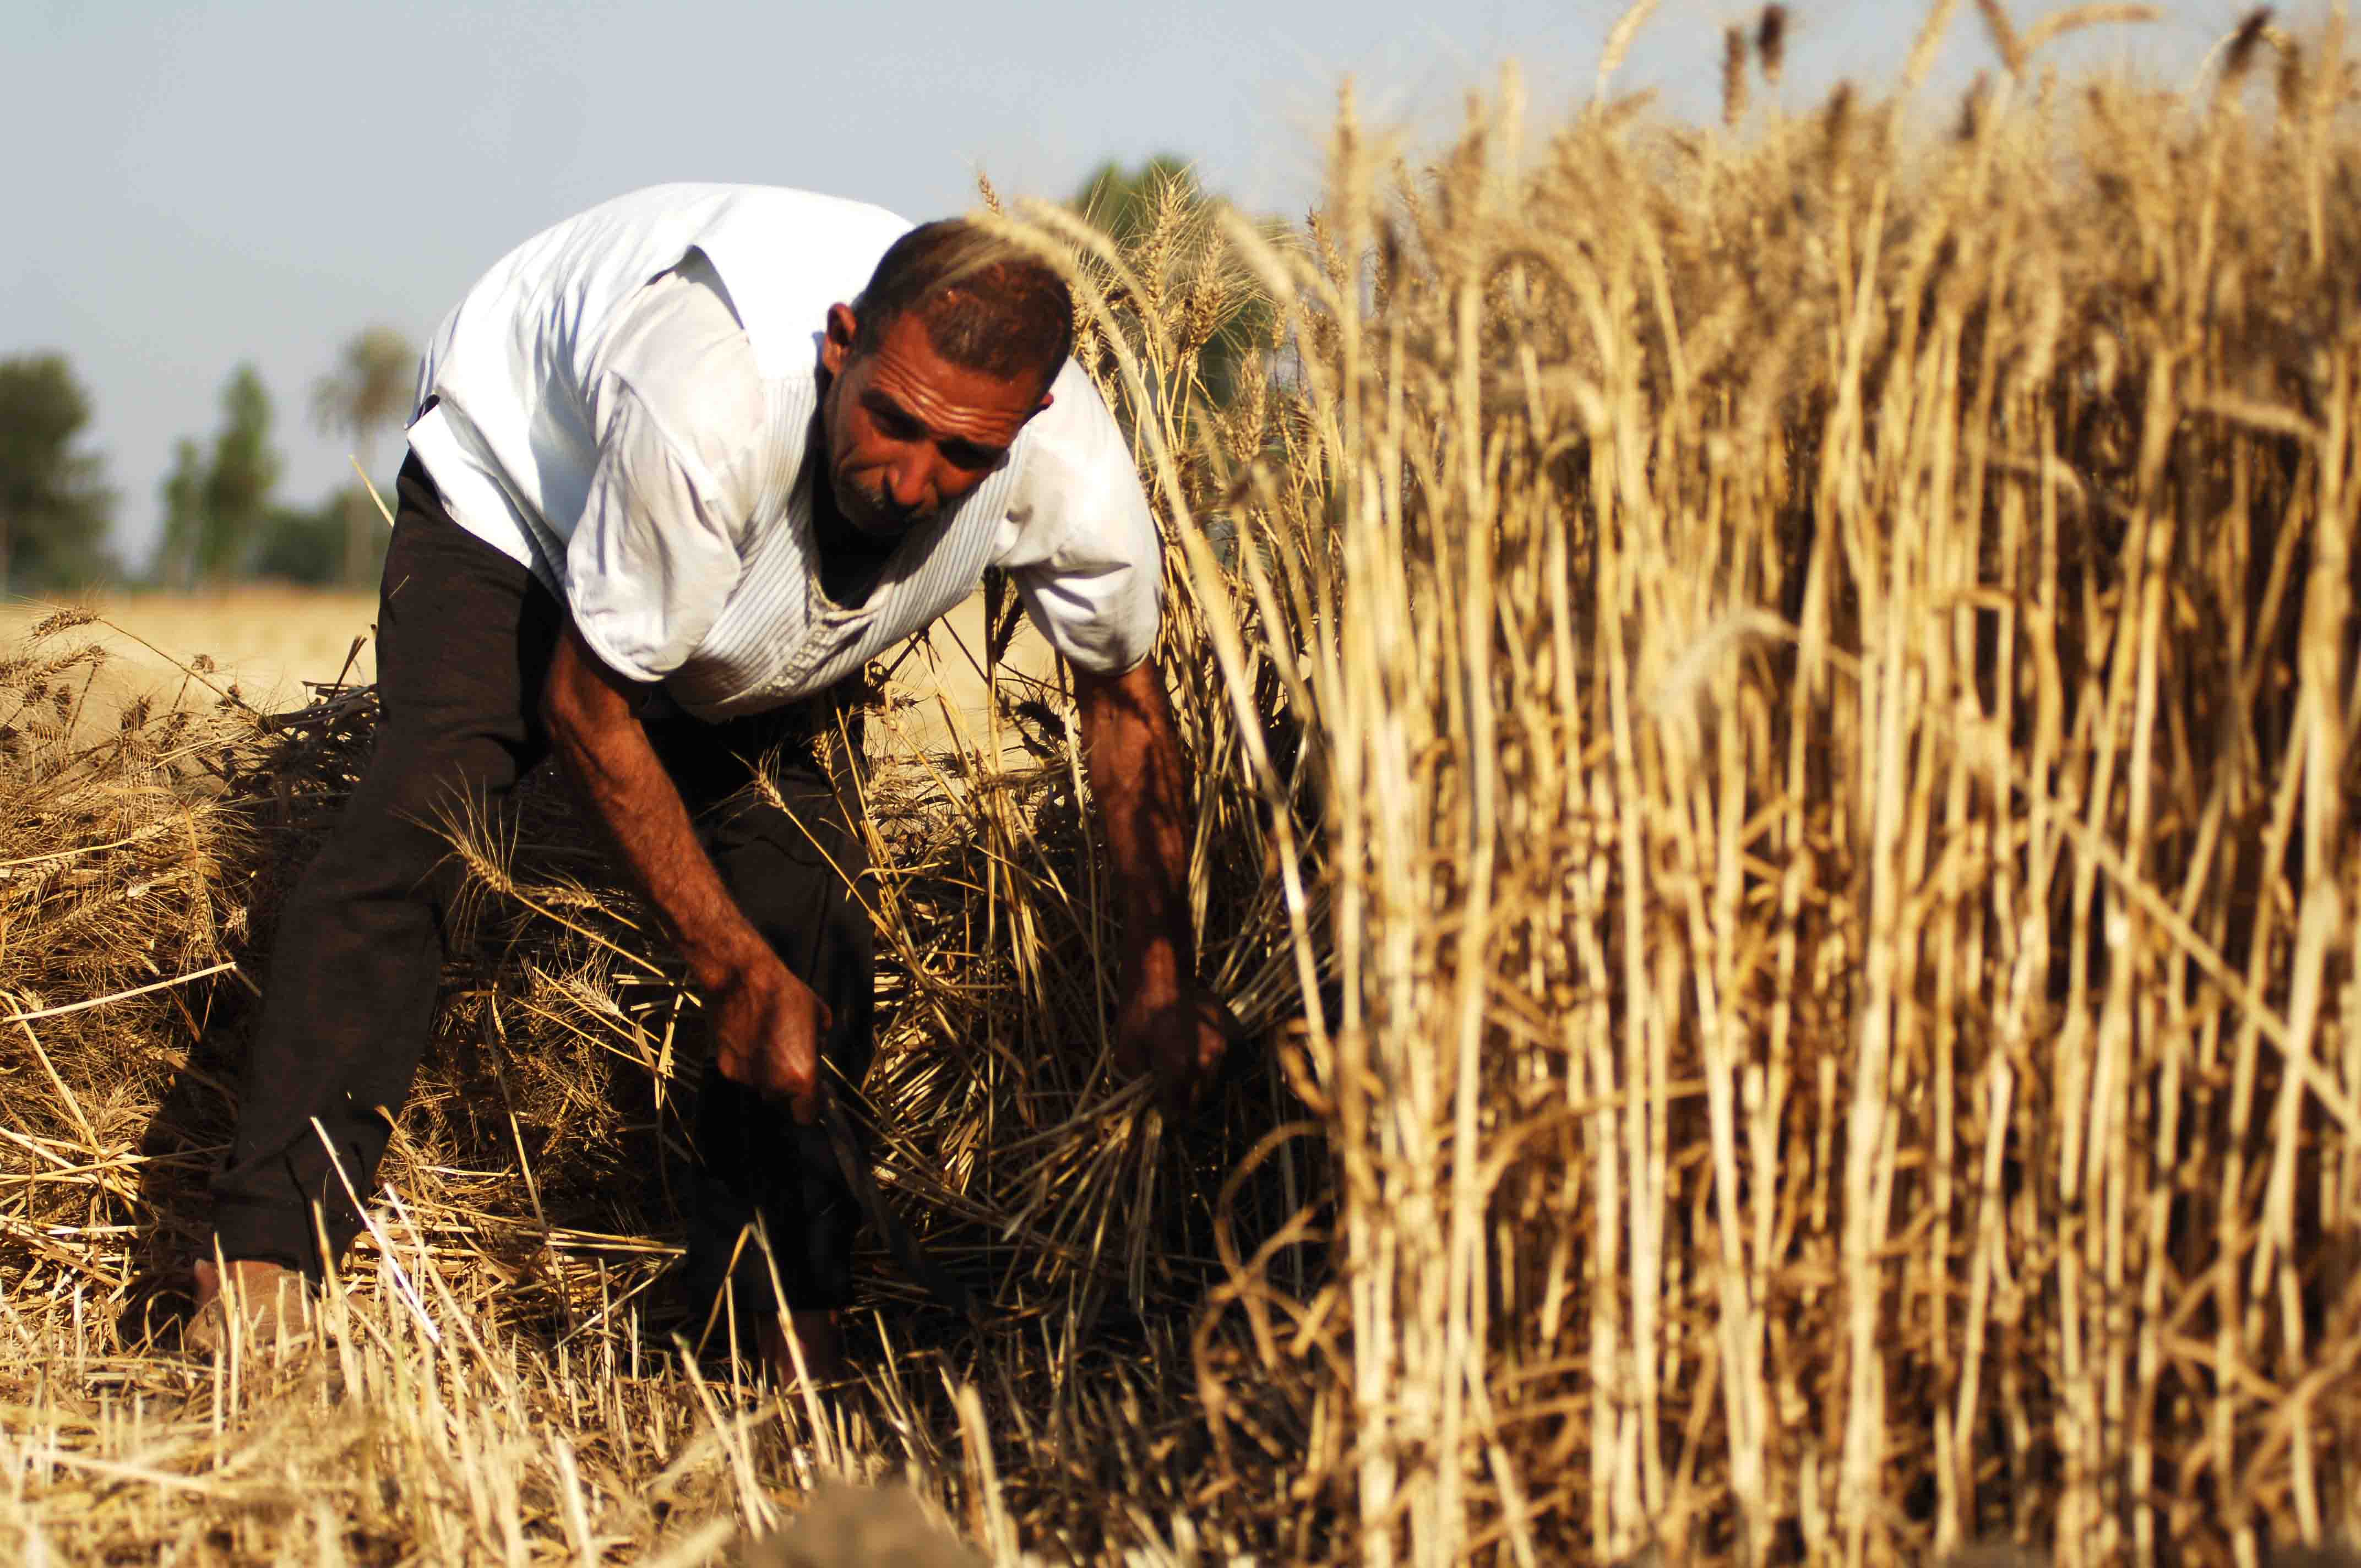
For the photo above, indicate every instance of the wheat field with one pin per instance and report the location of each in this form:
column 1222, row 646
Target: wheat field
column 265, row 639
column 1773, row 708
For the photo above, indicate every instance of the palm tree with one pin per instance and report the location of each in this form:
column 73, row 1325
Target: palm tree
column 370, row 389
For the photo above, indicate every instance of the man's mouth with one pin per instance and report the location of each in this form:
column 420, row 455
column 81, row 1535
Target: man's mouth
column 870, row 513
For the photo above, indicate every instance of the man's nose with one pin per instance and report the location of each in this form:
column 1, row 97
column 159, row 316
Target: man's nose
column 907, row 484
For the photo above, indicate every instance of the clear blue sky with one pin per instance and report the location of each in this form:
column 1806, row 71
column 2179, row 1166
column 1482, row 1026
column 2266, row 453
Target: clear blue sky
column 192, row 185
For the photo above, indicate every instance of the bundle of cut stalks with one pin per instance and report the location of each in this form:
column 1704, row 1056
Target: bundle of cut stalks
column 1772, row 713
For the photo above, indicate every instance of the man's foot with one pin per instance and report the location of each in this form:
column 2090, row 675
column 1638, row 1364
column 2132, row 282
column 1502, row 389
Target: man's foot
column 819, row 1340
column 270, row 1305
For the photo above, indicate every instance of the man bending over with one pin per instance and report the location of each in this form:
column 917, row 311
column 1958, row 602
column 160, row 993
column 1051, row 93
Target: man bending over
column 666, row 492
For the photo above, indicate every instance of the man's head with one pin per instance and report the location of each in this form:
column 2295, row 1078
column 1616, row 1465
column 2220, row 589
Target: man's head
column 933, row 370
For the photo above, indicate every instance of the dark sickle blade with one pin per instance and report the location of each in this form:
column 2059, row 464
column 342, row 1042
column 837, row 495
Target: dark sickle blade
column 946, row 1290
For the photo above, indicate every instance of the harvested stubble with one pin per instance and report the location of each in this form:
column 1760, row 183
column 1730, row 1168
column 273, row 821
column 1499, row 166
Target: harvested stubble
column 1773, row 751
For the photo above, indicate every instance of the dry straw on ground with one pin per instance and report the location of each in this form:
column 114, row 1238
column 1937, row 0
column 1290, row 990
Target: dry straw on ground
column 1774, row 719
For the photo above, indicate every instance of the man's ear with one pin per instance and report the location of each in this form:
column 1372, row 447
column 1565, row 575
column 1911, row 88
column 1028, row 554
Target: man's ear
column 837, row 347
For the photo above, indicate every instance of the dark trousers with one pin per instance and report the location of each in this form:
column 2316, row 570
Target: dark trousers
column 465, row 639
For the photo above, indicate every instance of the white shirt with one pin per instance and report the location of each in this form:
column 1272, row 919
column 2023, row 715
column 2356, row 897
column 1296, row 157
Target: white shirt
column 654, row 472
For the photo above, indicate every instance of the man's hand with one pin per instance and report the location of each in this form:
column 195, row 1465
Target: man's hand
column 766, row 1029
column 1181, row 1035
column 1168, row 1022
column 766, row 1023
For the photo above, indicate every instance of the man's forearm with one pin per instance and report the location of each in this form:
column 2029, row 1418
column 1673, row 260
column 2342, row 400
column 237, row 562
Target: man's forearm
column 1133, row 754
column 605, row 752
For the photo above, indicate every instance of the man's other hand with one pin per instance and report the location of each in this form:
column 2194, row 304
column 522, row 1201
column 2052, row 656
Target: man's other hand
column 1181, row 1035
column 767, row 1029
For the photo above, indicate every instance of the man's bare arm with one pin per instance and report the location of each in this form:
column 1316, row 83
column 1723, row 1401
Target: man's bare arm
column 1133, row 754
column 766, row 1023
column 1165, row 1020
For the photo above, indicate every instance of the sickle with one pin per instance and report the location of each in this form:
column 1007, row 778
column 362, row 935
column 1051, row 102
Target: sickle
column 946, row 1290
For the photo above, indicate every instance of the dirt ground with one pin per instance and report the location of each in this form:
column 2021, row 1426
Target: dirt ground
column 269, row 640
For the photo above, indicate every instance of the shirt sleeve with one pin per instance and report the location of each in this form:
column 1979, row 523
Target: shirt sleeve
column 655, row 554
column 1083, row 550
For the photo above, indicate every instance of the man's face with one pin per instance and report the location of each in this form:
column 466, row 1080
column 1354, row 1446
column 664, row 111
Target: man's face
column 908, row 432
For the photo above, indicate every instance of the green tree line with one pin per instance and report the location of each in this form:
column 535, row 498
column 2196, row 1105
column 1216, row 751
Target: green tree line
column 223, row 516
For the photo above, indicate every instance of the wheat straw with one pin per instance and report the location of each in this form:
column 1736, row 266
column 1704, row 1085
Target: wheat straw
column 1770, row 720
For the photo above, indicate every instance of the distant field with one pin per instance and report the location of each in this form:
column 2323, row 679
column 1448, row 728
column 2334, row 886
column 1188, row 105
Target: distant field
column 269, row 640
